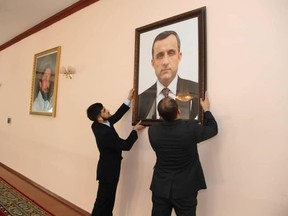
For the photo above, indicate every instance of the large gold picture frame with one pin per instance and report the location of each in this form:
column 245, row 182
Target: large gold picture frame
column 45, row 82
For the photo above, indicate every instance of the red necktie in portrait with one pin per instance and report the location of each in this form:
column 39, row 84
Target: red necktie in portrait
column 165, row 92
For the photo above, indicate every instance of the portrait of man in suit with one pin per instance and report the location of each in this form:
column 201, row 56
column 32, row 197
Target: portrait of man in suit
column 166, row 57
column 44, row 82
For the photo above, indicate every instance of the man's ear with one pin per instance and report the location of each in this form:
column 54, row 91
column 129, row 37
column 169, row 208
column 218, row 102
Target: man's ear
column 99, row 119
column 180, row 56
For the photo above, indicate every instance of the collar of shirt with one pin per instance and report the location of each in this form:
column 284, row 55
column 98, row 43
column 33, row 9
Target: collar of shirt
column 107, row 123
column 172, row 87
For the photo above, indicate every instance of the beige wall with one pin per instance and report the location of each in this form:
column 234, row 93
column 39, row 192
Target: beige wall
column 245, row 165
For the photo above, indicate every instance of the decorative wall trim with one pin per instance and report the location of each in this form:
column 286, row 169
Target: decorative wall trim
column 55, row 196
column 51, row 20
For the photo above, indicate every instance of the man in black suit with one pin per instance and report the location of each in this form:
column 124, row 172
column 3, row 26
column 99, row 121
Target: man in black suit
column 178, row 174
column 166, row 56
column 110, row 146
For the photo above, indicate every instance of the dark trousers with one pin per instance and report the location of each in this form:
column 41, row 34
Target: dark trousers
column 185, row 206
column 105, row 199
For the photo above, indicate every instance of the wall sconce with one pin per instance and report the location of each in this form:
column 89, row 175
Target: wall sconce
column 68, row 72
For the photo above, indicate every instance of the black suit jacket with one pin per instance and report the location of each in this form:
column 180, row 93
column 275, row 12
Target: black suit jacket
column 147, row 100
column 178, row 170
column 110, row 146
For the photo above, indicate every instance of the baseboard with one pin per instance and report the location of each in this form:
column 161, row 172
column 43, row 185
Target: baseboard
column 55, row 196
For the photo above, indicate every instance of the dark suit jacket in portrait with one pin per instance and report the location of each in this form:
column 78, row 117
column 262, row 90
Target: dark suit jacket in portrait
column 178, row 171
column 185, row 88
column 110, row 146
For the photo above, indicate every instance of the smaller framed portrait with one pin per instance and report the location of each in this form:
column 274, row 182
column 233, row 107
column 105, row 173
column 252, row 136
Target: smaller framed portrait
column 170, row 61
column 44, row 82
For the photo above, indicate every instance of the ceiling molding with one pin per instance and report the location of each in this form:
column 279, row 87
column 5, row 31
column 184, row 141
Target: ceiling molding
column 53, row 19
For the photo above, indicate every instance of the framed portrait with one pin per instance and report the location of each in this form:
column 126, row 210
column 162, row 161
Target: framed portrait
column 170, row 56
column 44, row 82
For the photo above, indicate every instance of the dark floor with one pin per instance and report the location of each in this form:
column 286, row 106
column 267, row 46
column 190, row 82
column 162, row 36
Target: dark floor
column 49, row 201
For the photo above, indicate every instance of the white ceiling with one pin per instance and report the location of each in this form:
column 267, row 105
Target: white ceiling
column 17, row 16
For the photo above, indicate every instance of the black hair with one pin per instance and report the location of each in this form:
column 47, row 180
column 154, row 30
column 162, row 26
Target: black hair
column 168, row 109
column 94, row 111
column 164, row 35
